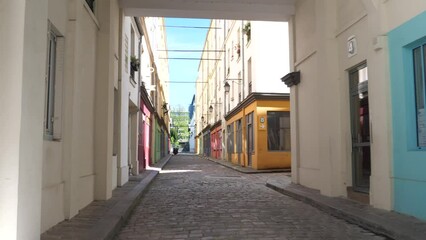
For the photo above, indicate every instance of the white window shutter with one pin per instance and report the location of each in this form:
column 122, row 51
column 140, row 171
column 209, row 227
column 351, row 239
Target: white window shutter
column 59, row 82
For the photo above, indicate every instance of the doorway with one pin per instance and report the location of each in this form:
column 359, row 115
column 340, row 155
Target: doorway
column 360, row 128
column 239, row 141
column 250, row 139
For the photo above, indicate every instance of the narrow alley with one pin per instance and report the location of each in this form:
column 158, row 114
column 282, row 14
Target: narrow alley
column 193, row 198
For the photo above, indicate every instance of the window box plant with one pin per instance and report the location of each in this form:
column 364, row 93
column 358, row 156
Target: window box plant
column 247, row 31
column 134, row 63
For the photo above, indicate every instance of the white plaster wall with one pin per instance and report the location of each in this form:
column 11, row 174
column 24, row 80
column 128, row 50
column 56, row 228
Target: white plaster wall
column 133, row 87
column 308, row 124
column 345, row 63
column 394, row 13
column 53, row 182
column 146, row 67
column 68, row 167
column 305, row 60
column 84, row 92
column 270, row 45
column 128, row 103
column 22, row 24
column 53, row 186
column 123, row 168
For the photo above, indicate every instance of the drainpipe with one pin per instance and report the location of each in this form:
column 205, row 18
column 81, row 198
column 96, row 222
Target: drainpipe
column 138, row 24
column 225, row 70
column 242, row 59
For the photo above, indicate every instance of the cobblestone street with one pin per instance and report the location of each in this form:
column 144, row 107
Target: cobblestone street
column 193, row 198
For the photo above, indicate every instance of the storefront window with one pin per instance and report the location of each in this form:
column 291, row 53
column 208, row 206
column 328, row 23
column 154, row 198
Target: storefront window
column 279, row 131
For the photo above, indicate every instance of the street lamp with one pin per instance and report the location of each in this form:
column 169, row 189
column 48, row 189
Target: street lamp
column 227, row 88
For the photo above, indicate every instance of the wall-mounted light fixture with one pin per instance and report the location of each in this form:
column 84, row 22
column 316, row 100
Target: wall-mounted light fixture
column 227, row 86
column 291, row 79
column 211, row 106
column 203, row 118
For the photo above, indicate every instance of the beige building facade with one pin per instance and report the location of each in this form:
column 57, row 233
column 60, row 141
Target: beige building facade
column 346, row 99
column 242, row 61
column 64, row 159
column 70, row 136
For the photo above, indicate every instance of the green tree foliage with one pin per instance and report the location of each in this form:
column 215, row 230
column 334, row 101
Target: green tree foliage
column 173, row 136
column 179, row 128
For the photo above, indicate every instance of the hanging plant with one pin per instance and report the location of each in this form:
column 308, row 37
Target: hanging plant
column 247, row 31
column 134, row 63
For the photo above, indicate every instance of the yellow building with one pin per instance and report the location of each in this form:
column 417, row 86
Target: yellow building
column 258, row 132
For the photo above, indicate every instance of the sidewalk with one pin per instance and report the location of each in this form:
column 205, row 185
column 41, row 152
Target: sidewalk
column 389, row 224
column 247, row 170
column 102, row 219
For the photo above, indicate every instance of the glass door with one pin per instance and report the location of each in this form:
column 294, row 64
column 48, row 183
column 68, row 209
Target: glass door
column 360, row 128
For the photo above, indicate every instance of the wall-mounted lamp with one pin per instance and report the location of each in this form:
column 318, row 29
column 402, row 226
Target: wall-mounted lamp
column 291, row 79
column 211, row 109
column 227, row 86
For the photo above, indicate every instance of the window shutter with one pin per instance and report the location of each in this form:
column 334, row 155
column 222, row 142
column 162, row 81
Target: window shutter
column 57, row 118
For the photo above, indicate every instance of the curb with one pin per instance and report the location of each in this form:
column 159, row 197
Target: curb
column 115, row 218
column 365, row 216
column 243, row 169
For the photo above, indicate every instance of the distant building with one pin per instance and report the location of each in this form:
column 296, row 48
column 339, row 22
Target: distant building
column 243, row 109
column 191, row 126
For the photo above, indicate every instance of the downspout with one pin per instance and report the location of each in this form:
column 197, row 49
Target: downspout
column 225, row 70
column 138, row 24
column 242, row 59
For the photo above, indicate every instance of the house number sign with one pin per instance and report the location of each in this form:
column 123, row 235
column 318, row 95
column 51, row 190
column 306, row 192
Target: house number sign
column 352, row 46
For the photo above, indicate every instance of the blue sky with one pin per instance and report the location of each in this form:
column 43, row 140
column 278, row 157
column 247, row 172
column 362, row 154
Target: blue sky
column 184, row 70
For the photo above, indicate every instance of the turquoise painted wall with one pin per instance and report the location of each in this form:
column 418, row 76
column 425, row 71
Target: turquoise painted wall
column 409, row 161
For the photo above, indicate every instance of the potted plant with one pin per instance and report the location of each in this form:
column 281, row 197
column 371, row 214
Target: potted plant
column 247, row 31
column 134, row 63
column 238, row 49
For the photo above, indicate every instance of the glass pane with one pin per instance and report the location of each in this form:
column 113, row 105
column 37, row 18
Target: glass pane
column 418, row 78
column 363, row 167
column 360, row 110
column 360, row 128
column 278, row 131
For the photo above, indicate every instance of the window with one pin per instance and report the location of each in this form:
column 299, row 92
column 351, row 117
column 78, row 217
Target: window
column 53, row 92
column 239, row 88
column 239, row 136
column 419, row 60
column 250, row 132
column 133, row 58
column 91, row 4
column 232, row 52
column 238, row 46
column 232, row 90
column 230, row 140
column 279, row 131
column 228, row 62
column 250, row 87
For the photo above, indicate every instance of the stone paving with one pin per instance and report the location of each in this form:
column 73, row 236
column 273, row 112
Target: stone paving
column 193, row 198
